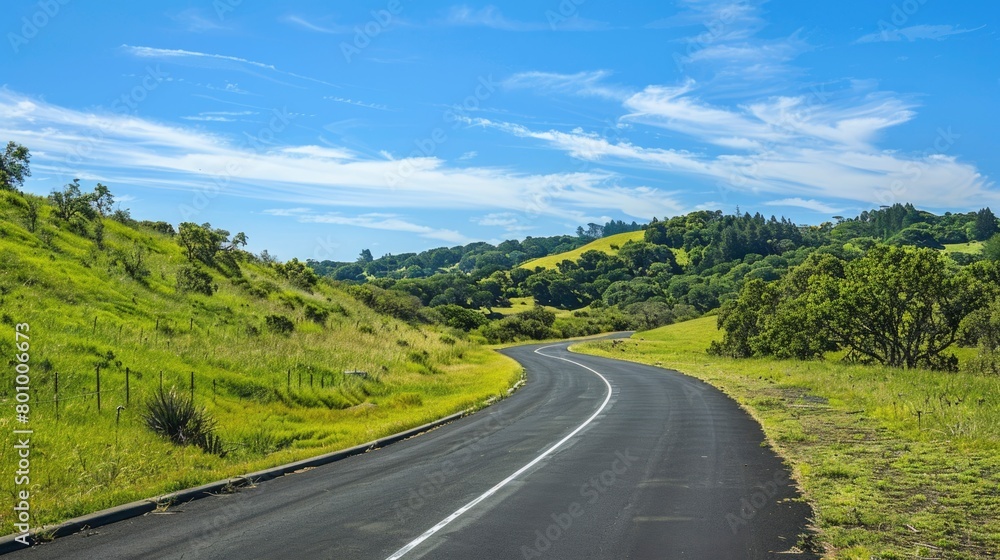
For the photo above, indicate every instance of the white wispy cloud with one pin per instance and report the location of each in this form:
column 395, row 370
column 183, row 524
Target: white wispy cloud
column 119, row 148
column 810, row 204
column 725, row 45
column 491, row 17
column 716, row 20
column 915, row 33
column 323, row 27
column 209, row 118
column 779, row 119
column 582, row 83
column 782, row 145
column 380, row 221
column 194, row 21
column 358, row 103
column 214, row 60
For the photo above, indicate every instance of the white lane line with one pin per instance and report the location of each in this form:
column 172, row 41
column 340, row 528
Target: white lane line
column 462, row 510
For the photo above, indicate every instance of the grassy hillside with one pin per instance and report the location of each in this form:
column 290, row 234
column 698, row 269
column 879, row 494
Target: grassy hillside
column 603, row 245
column 276, row 396
column 972, row 248
column 896, row 463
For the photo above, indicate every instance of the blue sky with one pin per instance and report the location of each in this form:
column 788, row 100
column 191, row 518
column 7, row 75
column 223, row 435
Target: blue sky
column 399, row 126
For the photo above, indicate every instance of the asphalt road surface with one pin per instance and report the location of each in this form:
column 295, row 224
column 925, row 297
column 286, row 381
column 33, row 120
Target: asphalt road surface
column 593, row 458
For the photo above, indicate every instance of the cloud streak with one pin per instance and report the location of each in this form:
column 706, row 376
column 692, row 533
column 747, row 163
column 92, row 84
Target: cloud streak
column 492, row 18
column 213, row 60
column 119, row 149
column 379, row 221
column 789, row 146
column 915, row 33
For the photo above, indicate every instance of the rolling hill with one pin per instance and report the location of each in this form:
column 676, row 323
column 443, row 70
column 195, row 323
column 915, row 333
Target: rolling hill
column 285, row 365
column 609, row 245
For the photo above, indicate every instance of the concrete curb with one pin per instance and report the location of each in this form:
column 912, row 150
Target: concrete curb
column 142, row 507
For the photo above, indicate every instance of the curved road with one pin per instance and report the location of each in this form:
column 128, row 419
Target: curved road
column 593, row 458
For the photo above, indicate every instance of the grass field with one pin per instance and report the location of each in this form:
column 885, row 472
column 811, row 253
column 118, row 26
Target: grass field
column 603, row 244
column 522, row 304
column 897, row 464
column 275, row 397
column 972, row 248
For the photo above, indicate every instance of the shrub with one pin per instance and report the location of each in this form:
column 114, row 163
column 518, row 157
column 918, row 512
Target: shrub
column 176, row 417
column 133, row 262
column 279, row 324
column 190, row 278
column 316, row 314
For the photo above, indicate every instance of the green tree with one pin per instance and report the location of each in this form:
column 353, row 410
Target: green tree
column 985, row 225
column 31, row 214
column 201, row 242
column 72, row 203
column 899, row 307
column 991, row 249
column 14, row 166
column 239, row 241
column 298, row 273
column 102, row 199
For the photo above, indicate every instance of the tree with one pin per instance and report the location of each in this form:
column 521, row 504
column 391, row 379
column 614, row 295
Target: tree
column 239, row 241
column 298, row 273
column 899, row 307
column 14, row 166
column 31, row 214
column 201, row 242
column 985, row 225
column 991, row 249
column 102, row 199
column 365, row 257
column 71, row 202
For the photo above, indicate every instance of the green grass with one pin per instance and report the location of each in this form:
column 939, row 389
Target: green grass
column 972, row 248
column 603, row 244
column 883, row 481
column 522, row 304
column 60, row 282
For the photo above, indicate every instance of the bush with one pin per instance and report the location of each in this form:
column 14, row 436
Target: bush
column 458, row 317
column 388, row 302
column 190, row 278
column 316, row 314
column 176, row 417
column 133, row 262
column 279, row 324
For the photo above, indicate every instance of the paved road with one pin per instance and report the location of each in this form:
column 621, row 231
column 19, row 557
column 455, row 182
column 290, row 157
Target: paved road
column 592, row 459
